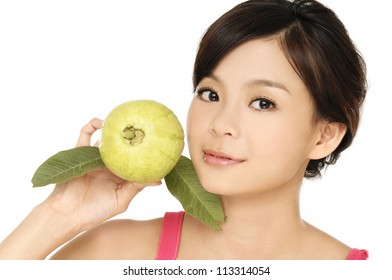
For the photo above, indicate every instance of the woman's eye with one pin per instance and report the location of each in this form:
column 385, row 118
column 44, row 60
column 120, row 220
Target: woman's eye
column 262, row 104
column 208, row 95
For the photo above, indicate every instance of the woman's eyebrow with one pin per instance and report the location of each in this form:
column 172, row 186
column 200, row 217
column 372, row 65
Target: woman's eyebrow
column 267, row 83
column 256, row 82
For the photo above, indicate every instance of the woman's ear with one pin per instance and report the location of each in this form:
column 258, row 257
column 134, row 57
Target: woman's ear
column 329, row 138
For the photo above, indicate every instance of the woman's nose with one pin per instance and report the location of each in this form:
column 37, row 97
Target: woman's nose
column 224, row 123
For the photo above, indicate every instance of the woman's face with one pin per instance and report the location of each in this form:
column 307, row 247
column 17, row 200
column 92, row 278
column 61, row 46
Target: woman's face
column 251, row 123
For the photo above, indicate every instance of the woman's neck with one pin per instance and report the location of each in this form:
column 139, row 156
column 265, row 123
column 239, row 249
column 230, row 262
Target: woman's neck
column 267, row 224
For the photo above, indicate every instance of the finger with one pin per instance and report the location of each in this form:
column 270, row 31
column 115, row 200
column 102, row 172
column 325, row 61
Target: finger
column 127, row 191
column 152, row 184
column 137, row 186
column 87, row 131
column 97, row 143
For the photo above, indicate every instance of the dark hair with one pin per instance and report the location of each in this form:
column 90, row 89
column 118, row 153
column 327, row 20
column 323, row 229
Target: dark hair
column 316, row 44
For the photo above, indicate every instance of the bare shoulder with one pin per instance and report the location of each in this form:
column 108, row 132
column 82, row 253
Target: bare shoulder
column 321, row 245
column 115, row 239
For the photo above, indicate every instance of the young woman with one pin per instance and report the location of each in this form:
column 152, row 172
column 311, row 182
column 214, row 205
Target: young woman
column 278, row 91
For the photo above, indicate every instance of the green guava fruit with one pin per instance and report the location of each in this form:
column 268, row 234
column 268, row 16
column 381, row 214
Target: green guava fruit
column 141, row 141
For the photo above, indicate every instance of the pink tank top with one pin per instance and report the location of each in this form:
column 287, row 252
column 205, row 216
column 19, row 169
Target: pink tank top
column 169, row 241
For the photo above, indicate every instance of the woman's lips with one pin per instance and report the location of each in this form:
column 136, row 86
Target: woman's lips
column 220, row 159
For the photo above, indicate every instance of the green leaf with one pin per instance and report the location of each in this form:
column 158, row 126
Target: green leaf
column 184, row 184
column 66, row 165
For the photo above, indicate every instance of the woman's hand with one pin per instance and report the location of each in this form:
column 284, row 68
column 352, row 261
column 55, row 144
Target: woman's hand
column 95, row 197
column 71, row 208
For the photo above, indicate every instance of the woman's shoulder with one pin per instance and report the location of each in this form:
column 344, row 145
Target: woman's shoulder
column 324, row 246
column 115, row 239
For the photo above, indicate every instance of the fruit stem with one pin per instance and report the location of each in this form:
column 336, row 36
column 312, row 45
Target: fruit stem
column 133, row 135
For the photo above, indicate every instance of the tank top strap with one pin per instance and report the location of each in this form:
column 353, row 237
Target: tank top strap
column 169, row 241
column 357, row 254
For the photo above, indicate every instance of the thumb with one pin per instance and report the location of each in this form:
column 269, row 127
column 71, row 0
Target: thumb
column 127, row 191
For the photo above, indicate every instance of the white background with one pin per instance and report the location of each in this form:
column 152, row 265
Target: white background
column 64, row 62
